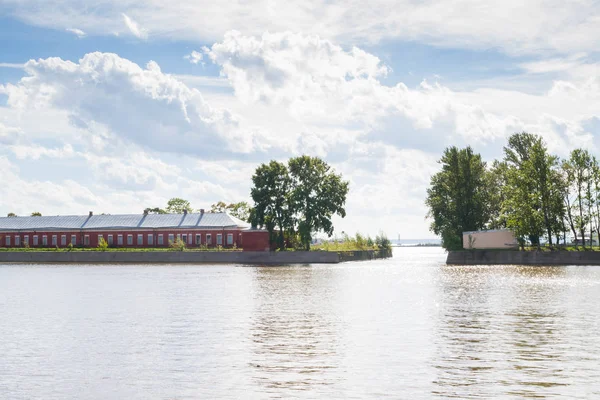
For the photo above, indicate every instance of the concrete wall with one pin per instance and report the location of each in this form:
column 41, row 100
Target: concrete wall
column 168, row 257
column 515, row 257
column 494, row 239
column 364, row 255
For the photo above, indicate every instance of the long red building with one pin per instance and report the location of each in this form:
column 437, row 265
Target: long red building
column 132, row 230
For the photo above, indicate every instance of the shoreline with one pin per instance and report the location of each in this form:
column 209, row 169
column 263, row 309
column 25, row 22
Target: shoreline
column 190, row 257
column 520, row 257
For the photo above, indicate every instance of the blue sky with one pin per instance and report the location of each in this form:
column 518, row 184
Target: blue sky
column 127, row 104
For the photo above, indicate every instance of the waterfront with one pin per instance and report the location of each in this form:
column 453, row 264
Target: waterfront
column 407, row 327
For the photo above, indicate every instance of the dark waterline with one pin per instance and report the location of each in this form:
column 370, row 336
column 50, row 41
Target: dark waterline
column 408, row 327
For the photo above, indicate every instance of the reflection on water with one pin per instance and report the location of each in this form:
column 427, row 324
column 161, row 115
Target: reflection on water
column 506, row 331
column 293, row 336
column 410, row 327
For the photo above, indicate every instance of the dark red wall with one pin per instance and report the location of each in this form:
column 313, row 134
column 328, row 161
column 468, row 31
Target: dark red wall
column 256, row 241
column 239, row 237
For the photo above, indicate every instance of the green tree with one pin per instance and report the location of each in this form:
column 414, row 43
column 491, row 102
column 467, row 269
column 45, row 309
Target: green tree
column 218, row 207
column 270, row 193
column 11, row 214
column 155, row 210
column 177, row 206
column 535, row 195
column 240, row 210
column 36, row 214
column 317, row 194
column 458, row 198
column 578, row 169
column 495, row 184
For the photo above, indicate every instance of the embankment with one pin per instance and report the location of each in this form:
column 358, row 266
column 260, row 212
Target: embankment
column 516, row 257
column 185, row 257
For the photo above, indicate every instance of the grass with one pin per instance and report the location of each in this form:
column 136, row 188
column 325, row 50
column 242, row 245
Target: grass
column 356, row 243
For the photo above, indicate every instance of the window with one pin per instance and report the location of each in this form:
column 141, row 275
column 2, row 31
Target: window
column 74, row 240
column 150, row 240
column 110, row 240
column 230, row 239
column 120, row 240
column 100, row 237
column 86, row 240
column 208, row 238
column 184, row 238
column 26, row 240
column 160, row 240
column 171, row 238
column 54, row 240
column 198, row 239
column 189, row 241
column 140, row 239
column 129, row 240
column 63, row 240
column 17, row 240
column 35, row 240
column 219, row 239
column 7, row 241
column 44, row 240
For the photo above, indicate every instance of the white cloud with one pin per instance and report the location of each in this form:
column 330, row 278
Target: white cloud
column 513, row 25
column 77, row 32
column 135, row 29
column 9, row 135
column 145, row 106
column 12, row 65
column 194, row 57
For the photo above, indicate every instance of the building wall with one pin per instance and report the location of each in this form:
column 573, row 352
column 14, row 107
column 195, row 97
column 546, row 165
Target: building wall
column 255, row 239
column 496, row 239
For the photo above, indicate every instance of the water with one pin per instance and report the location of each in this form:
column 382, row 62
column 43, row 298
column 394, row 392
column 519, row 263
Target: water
column 409, row 327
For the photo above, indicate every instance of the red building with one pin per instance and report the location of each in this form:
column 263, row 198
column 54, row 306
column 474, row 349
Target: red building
column 133, row 230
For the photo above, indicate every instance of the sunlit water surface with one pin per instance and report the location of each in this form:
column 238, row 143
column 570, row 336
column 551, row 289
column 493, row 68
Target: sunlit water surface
column 409, row 327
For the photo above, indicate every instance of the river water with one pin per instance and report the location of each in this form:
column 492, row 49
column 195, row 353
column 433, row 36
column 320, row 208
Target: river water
column 408, row 327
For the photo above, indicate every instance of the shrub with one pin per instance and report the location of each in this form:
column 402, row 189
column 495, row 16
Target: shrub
column 102, row 244
column 177, row 245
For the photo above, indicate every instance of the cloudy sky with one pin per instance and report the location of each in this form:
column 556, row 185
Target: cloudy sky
column 114, row 106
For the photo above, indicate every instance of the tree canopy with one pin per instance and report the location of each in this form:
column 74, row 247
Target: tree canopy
column 530, row 191
column 177, row 205
column 299, row 198
column 458, row 197
column 36, row 214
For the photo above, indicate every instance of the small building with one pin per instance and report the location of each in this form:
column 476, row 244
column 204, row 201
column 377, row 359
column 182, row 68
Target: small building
column 132, row 230
column 490, row 239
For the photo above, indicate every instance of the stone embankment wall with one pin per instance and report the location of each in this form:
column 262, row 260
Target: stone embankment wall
column 172, row 257
column 515, row 257
column 363, row 255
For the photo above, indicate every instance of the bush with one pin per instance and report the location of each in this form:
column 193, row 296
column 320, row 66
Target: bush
column 102, row 244
column 177, row 245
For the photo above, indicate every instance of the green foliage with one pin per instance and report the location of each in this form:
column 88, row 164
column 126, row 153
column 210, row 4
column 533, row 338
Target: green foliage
column 458, row 197
column 534, row 204
column 347, row 243
column 295, row 201
column 177, row 205
column 11, row 214
column 317, row 194
column 239, row 210
column 36, row 214
column 272, row 186
column 382, row 242
column 155, row 210
column 70, row 247
column 177, row 245
column 102, row 244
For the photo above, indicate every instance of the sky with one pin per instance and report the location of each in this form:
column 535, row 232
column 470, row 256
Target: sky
column 114, row 106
